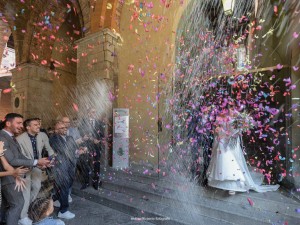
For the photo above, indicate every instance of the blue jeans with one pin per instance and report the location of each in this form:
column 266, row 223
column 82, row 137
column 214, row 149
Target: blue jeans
column 70, row 190
column 63, row 180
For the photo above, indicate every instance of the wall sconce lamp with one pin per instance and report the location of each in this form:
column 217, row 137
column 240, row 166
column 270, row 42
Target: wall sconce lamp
column 228, row 6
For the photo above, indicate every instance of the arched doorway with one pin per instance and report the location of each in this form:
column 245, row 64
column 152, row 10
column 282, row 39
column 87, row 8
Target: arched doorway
column 8, row 62
column 216, row 52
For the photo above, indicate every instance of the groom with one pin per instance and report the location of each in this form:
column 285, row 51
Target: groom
column 200, row 135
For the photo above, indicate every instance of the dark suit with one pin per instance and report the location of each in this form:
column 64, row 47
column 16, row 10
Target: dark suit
column 87, row 161
column 63, row 171
column 15, row 158
column 200, row 131
column 44, row 131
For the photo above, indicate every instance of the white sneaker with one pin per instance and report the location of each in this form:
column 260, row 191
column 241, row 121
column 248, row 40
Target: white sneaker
column 66, row 215
column 70, row 198
column 56, row 204
column 25, row 221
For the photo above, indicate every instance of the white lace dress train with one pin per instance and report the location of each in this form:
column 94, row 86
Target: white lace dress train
column 228, row 169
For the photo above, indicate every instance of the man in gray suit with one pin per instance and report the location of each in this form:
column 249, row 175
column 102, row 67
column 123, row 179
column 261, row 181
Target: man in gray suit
column 12, row 125
column 32, row 143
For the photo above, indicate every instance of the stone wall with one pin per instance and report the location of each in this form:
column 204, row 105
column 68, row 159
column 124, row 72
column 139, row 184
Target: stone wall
column 97, row 77
column 158, row 46
column 33, row 82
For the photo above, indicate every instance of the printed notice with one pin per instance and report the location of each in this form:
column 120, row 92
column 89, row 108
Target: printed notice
column 121, row 124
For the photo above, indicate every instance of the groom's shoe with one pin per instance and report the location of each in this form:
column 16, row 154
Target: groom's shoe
column 204, row 182
column 96, row 185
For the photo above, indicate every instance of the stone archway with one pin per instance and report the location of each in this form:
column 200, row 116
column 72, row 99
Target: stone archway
column 6, row 39
column 39, row 32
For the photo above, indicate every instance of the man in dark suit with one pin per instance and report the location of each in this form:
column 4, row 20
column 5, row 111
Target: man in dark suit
column 91, row 129
column 12, row 125
column 66, row 149
column 200, row 135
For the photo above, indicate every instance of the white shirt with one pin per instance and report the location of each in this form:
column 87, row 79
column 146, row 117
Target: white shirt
column 93, row 122
column 10, row 134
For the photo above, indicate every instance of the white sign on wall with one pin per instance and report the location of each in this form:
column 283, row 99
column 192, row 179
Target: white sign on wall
column 121, row 138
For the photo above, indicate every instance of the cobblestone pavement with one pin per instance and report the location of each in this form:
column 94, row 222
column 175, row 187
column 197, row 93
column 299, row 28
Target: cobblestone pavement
column 91, row 213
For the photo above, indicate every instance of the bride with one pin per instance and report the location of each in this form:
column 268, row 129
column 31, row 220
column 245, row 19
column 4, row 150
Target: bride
column 228, row 169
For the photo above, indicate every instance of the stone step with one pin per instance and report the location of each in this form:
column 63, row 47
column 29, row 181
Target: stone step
column 165, row 181
column 91, row 213
column 180, row 182
column 142, row 208
column 279, row 202
column 206, row 206
column 264, row 200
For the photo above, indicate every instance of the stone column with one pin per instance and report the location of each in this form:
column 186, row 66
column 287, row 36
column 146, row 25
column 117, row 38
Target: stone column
column 97, row 78
column 33, row 89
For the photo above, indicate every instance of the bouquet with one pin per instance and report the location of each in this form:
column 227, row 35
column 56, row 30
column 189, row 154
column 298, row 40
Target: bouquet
column 242, row 123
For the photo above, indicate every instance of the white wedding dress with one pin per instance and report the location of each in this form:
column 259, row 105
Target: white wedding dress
column 228, row 169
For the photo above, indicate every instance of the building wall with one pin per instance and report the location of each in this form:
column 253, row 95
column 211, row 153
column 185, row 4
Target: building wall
column 64, row 74
column 139, row 93
column 294, row 140
column 32, row 83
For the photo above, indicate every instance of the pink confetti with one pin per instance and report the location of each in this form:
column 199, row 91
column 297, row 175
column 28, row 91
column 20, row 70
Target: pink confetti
column 295, row 35
column 279, row 66
column 112, row 97
column 130, row 68
column 6, row 90
column 75, row 107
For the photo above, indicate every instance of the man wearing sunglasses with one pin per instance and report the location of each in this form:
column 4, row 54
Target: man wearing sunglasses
column 66, row 152
column 93, row 128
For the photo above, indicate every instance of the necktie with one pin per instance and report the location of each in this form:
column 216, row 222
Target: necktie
column 14, row 138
